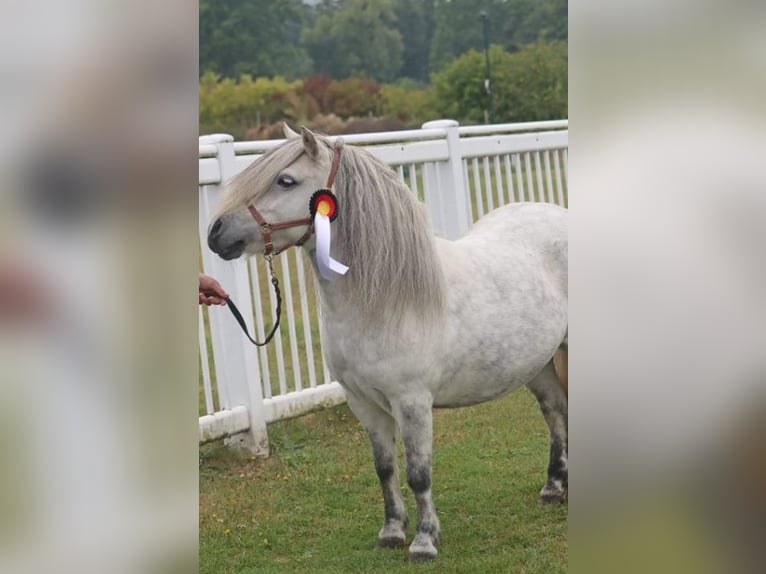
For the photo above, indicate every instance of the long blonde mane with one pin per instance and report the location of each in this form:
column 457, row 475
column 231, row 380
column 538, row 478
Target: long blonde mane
column 382, row 233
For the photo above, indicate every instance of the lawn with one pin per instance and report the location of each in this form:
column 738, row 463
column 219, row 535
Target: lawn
column 315, row 504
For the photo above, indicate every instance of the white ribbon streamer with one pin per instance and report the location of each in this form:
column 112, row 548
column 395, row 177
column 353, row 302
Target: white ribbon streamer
column 326, row 264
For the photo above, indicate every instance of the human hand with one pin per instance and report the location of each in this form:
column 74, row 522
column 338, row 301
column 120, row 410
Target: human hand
column 210, row 291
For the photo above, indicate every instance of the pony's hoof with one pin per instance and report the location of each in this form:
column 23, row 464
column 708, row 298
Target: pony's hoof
column 553, row 496
column 422, row 551
column 422, row 556
column 392, row 535
column 391, row 542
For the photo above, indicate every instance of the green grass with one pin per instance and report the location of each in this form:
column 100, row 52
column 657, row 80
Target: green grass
column 315, row 504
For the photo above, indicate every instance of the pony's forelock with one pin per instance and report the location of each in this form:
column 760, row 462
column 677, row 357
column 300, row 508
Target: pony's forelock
column 252, row 182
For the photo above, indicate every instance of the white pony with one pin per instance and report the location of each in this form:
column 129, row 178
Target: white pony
column 418, row 321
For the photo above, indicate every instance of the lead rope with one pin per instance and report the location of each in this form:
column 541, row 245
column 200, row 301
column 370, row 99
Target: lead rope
column 241, row 320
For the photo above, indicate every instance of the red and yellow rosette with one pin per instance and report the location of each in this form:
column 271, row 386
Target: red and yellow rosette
column 324, row 209
column 325, row 203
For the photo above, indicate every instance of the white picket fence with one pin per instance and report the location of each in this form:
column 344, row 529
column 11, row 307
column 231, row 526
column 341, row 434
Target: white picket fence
column 460, row 172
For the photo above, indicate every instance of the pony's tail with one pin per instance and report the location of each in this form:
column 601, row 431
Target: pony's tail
column 561, row 364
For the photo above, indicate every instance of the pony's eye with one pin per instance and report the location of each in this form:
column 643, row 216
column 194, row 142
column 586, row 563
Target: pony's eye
column 285, row 181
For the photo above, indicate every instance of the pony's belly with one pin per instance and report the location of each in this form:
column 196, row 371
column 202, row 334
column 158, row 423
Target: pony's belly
column 482, row 383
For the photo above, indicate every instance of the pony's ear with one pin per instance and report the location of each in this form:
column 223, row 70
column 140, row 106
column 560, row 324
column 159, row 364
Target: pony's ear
column 310, row 143
column 289, row 132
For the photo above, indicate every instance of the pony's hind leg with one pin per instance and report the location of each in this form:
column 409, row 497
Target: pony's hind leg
column 552, row 398
column 381, row 428
column 414, row 416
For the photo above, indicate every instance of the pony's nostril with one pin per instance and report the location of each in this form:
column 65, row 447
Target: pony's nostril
column 216, row 229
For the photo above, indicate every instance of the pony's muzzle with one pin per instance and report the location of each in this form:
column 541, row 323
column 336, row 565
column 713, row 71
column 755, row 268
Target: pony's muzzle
column 214, row 234
column 217, row 246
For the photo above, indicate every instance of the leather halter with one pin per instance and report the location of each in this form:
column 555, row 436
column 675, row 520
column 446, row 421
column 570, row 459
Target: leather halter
column 266, row 228
column 268, row 253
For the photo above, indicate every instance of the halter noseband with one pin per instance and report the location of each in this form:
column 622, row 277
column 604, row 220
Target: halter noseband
column 266, row 228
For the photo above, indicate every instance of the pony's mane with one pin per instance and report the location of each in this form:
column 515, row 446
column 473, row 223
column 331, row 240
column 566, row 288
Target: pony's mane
column 384, row 236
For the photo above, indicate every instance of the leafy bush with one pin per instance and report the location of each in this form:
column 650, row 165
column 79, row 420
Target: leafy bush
column 353, row 97
column 329, row 124
column 236, row 105
column 411, row 105
column 368, row 125
column 316, row 88
column 527, row 85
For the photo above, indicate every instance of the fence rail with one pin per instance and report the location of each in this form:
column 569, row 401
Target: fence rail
column 460, row 173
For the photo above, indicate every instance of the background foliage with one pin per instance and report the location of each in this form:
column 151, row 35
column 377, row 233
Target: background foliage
column 358, row 65
column 527, row 85
column 356, row 36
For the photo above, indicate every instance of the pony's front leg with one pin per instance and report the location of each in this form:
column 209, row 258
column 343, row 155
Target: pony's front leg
column 381, row 428
column 414, row 416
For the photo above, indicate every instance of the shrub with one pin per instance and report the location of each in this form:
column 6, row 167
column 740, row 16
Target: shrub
column 326, row 124
column 527, row 85
column 368, row 125
column 236, row 105
column 316, row 88
column 353, row 97
column 412, row 106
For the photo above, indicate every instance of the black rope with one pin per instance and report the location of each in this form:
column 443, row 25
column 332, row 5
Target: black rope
column 238, row 316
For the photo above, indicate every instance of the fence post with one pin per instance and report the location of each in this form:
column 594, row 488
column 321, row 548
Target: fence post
column 444, row 186
column 237, row 369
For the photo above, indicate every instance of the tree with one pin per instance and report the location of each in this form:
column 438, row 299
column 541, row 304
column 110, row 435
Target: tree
column 415, row 23
column 512, row 23
column 538, row 84
column 257, row 37
column 549, row 19
column 527, row 85
column 351, row 37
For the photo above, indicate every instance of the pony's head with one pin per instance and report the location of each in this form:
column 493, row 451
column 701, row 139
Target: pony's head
column 279, row 185
column 381, row 231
